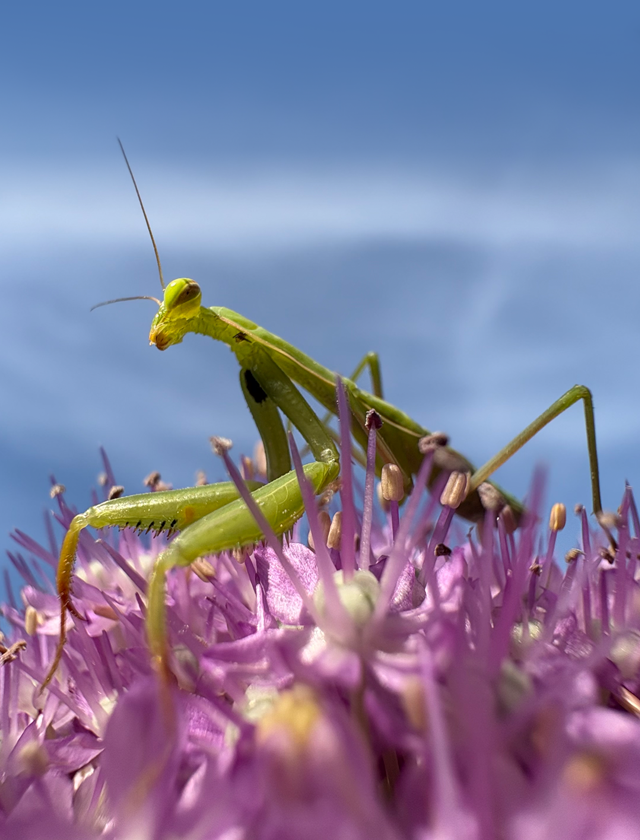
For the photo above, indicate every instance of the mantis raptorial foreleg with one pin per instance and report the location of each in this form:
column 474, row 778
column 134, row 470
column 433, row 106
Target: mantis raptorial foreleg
column 370, row 360
column 212, row 518
column 268, row 421
column 162, row 512
column 233, row 526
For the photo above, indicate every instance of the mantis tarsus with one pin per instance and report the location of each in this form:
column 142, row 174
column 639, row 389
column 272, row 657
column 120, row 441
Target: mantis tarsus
column 212, row 518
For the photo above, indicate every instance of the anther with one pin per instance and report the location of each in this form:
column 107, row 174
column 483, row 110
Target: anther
column 392, row 486
column 607, row 553
column 155, row 483
column 435, row 440
column 260, row 458
column 240, row 555
column 455, row 490
column 384, row 504
column 325, row 498
column 246, row 465
column 557, row 517
column 152, row 480
column 335, row 531
column 57, row 490
column 105, row 611
column 201, row 478
column 572, row 555
column 607, row 519
column 203, row 569
column 508, row 519
column 491, row 498
column 31, row 620
column 442, row 550
column 324, row 521
column 628, row 701
column 115, row 492
column 220, row 444
column 372, row 420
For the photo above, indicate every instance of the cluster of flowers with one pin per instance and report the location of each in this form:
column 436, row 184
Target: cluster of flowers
column 412, row 683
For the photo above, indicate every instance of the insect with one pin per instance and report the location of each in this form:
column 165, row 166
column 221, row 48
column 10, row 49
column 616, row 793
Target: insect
column 212, row 519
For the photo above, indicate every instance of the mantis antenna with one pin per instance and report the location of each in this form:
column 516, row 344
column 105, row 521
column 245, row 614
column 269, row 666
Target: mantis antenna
column 119, row 300
column 144, row 213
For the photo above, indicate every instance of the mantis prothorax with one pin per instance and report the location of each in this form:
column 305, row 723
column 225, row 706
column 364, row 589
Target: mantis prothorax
column 212, row 519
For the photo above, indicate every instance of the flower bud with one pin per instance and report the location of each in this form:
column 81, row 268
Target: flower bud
column 357, row 595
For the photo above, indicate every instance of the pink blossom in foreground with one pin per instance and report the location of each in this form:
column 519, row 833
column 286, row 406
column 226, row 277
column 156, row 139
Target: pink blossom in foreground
column 486, row 690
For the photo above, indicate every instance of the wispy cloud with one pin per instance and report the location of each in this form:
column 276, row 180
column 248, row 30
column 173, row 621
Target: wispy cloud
column 278, row 209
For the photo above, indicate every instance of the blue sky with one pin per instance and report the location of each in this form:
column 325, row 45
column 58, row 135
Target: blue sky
column 454, row 185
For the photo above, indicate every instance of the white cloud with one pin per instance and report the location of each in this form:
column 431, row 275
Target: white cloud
column 267, row 209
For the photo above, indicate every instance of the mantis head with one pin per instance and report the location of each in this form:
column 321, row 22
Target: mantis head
column 177, row 311
column 182, row 297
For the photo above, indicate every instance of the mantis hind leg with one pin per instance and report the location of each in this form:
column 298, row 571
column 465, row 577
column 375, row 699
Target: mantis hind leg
column 370, row 360
column 573, row 395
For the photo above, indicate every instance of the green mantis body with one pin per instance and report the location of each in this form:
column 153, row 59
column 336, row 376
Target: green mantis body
column 212, row 519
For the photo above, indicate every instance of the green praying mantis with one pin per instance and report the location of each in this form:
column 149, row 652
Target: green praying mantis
column 214, row 518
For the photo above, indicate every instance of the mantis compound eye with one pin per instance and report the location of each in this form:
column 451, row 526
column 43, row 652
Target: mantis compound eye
column 180, row 292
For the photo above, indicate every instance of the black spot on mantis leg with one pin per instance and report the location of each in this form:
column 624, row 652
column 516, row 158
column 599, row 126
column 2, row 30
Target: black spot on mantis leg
column 254, row 388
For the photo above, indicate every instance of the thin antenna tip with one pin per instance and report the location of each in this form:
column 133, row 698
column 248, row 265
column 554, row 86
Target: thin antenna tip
column 144, row 212
column 120, row 300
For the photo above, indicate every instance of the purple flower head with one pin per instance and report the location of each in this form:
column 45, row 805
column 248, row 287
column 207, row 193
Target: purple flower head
column 398, row 680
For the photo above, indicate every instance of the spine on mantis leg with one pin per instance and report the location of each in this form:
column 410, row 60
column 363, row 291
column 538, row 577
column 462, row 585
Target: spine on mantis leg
column 170, row 511
column 233, row 526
